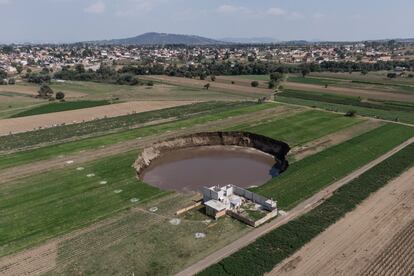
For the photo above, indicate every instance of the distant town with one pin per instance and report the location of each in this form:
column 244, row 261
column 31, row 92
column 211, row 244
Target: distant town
column 15, row 59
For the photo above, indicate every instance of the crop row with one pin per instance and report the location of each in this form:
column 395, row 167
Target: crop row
column 59, row 133
column 269, row 250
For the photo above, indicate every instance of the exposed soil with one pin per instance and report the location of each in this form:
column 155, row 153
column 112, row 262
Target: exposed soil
column 367, row 94
column 377, row 238
column 42, row 258
column 299, row 210
column 191, row 169
column 16, row 125
column 22, row 171
column 216, row 85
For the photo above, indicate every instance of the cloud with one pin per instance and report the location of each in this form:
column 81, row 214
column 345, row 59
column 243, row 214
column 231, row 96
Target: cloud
column 98, row 7
column 318, row 15
column 231, row 9
column 276, row 11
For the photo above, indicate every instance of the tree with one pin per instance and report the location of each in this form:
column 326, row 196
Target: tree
column 350, row 113
column 12, row 81
column 305, row 71
column 391, row 75
column 60, row 95
column 79, row 68
column 254, row 83
column 276, row 76
column 213, row 78
column 207, row 86
column 3, row 74
column 364, row 72
column 45, row 92
column 271, row 84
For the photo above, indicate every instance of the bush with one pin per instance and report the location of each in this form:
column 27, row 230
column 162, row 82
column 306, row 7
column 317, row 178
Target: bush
column 254, row 84
column 391, row 75
column 350, row 113
column 271, row 84
column 60, row 95
column 12, row 81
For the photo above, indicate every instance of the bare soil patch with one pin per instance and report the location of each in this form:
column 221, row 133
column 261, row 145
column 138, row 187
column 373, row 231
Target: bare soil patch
column 240, row 88
column 377, row 238
column 368, row 94
column 90, row 155
column 29, row 123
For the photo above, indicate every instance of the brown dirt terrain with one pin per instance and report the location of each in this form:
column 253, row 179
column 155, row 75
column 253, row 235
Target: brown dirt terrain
column 32, row 91
column 23, row 124
column 297, row 211
column 241, row 89
column 18, row 172
column 368, row 94
column 377, row 238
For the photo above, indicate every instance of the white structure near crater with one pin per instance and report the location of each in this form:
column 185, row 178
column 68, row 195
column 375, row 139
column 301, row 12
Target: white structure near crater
column 232, row 200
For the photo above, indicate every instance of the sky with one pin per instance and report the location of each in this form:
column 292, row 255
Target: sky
column 83, row 20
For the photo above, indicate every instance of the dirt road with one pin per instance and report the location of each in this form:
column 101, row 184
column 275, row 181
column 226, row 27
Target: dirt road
column 377, row 238
column 299, row 210
column 29, row 123
column 22, row 171
column 367, row 94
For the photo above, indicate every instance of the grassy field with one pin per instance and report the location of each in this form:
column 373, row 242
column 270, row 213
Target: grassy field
column 162, row 92
column 253, row 77
column 266, row 252
column 356, row 80
column 301, row 128
column 307, row 176
column 155, row 247
column 388, row 111
column 12, row 103
column 24, row 157
column 58, row 107
column 56, row 202
column 97, row 127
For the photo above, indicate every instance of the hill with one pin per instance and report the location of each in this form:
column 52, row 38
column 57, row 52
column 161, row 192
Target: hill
column 153, row 38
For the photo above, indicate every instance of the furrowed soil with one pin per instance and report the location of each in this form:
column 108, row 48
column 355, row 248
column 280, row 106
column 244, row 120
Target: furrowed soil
column 23, row 124
column 377, row 238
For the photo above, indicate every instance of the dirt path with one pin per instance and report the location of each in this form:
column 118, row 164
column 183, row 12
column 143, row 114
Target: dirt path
column 239, row 89
column 377, row 238
column 368, row 94
column 336, row 138
column 22, row 171
column 299, row 210
column 29, row 123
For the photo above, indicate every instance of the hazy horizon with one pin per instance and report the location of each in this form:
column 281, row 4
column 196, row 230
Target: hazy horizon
column 69, row 21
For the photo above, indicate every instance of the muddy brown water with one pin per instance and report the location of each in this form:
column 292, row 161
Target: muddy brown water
column 188, row 170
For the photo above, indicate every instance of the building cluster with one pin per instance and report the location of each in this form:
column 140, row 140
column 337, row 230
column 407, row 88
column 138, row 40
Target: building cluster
column 238, row 203
column 55, row 57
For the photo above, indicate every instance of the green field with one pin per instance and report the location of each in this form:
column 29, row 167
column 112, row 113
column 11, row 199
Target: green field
column 56, row 202
column 301, row 128
column 24, row 157
column 97, row 127
column 58, row 107
column 309, row 175
column 266, row 252
column 371, row 82
column 389, row 111
column 254, row 77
